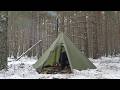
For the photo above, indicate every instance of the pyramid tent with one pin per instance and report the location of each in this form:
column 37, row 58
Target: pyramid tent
column 76, row 59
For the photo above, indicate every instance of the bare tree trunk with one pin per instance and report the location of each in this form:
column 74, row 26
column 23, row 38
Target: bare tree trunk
column 106, row 36
column 86, row 37
column 3, row 40
column 93, row 25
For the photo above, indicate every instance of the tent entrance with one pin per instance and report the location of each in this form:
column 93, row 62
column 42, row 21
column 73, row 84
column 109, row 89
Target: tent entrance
column 58, row 63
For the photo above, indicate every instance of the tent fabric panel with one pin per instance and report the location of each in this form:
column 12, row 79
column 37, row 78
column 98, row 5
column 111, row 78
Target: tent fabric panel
column 54, row 57
column 44, row 57
column 76, row 58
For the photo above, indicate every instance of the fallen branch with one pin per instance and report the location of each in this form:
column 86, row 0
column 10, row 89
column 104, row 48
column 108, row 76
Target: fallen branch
column 28, row 50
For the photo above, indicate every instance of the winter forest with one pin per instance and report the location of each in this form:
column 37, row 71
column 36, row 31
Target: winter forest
column 95, row 33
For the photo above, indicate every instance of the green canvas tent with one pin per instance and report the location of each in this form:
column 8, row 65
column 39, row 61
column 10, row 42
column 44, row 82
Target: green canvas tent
column 51, row 56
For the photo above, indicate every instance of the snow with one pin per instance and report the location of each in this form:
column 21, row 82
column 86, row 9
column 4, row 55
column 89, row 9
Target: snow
column 107, row 68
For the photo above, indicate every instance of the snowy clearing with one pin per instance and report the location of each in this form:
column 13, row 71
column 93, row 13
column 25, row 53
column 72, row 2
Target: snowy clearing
column 107, row 68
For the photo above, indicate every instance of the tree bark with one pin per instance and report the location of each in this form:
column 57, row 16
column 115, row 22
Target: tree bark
column 3, row 40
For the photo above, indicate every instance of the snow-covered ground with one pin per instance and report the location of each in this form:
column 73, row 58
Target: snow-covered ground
column 107, row 68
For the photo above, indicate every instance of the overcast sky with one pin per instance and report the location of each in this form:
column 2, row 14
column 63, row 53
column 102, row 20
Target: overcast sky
column 52, row 13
